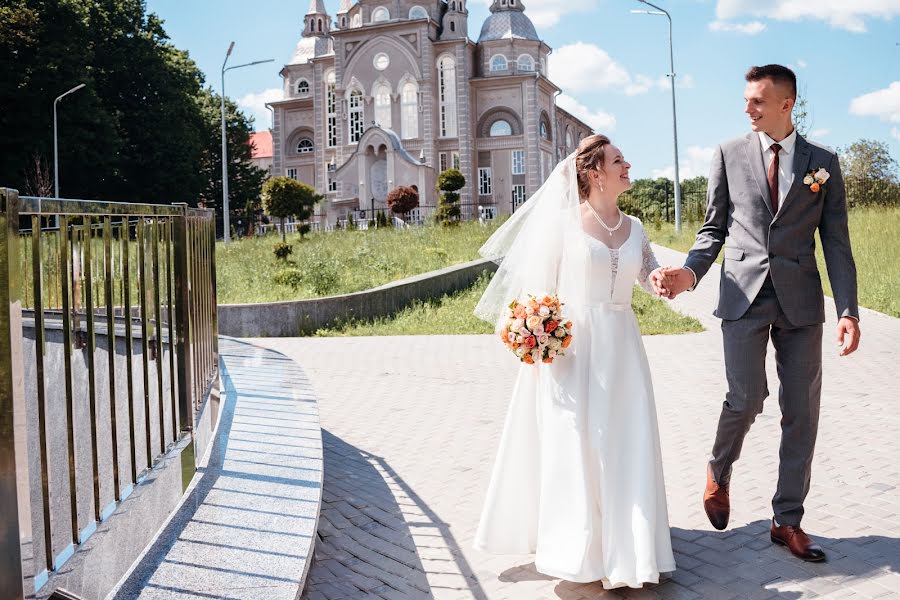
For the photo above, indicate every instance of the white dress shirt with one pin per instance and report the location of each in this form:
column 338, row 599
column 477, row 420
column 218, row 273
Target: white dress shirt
column 785, row 161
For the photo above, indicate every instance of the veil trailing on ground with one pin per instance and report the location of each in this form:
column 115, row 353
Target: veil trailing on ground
column 540, row 249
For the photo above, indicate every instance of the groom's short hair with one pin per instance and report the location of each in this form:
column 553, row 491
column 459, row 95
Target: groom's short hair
column 777, row 73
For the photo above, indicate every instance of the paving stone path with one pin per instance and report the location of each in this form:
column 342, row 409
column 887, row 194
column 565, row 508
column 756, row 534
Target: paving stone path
column 411, row 426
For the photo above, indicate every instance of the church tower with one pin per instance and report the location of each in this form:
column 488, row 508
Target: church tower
column 317, row 21
column 455, row 21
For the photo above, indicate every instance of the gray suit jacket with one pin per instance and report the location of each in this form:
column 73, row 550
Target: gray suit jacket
column 739, row 217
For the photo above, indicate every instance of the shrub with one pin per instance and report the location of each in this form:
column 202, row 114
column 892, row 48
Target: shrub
column 449, row 182
column 322, row 275
column 403, row 199
column 292, row 278
column 283, row 250
column 284, row 197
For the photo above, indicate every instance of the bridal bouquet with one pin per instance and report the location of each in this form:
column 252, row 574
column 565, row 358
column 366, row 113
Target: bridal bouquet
column 534, row 329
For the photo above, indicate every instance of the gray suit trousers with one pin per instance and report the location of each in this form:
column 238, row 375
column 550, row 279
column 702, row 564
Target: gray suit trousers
column 798, row 354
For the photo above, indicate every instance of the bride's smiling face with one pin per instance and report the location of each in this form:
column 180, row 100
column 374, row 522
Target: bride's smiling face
column 614, row 177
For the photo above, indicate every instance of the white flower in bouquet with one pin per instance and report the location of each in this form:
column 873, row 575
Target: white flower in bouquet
column 534, row 321
column 560, row 332
column 554, row 344
column 529, row 311
column 551, row 354
column 822, row 175
column 521, row 351
column 544, row 310
column 538, row 331
column 518, row 324
column 543, row 338
column 536, row 355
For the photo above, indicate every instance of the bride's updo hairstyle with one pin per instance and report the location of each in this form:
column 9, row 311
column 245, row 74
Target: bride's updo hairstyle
column 590, row 156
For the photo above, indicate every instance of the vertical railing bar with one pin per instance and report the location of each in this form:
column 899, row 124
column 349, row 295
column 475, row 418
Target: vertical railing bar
column 157, row 335
column 68, row 309
column 13, row 453
column 170, row 317
column 39, row 351
column 145, row 356
column 181, row 278
column 111, row 344
column 129, row 342
column 215, row 287
column 91, row 346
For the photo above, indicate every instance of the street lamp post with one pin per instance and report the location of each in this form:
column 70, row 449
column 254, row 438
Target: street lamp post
column 671, row 75
column 55, row 143
column 226, row 220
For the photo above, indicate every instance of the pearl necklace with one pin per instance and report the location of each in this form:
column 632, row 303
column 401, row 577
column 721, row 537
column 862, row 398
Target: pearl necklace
column 609, row 230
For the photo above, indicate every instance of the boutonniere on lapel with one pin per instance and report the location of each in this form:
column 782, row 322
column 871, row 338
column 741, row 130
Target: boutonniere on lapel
column 816, row 179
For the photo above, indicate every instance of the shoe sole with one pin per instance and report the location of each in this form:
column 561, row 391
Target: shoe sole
column 780, row 542
column 722, row 528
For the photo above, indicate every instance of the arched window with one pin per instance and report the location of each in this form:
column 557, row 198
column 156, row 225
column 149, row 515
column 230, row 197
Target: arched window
column 570, row 143
column 320, row 25
column 331, row 110
column 380, row 14
column 526, row 63
column 381, row 92
column 303, row 87
column 452, row 25
column 447, row 89
column 417, row 12
column 501, row 128
column 545, row 129
column 499, row 63
column 356, row 121
column 356, row 21
column 343, row 22
column 305, row 146
column 409, row 110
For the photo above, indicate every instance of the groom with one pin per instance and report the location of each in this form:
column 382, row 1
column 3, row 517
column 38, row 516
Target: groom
column 769, row 192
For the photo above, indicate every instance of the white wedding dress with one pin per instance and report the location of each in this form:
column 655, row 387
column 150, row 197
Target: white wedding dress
column 578, row 479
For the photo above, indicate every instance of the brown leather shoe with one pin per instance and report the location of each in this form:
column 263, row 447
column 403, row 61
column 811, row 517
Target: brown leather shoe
column 716, row 502
column 797, row 542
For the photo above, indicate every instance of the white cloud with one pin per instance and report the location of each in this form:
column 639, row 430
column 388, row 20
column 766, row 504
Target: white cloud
column 598, row 120
column 548, row 13
column 802, row 63
column 884, row 104
column 580, row 67
column 583, row 67
column 751, row 28
column 693, row 164
column 841, row 14
column 255, row 104
column 819, row 133
column 895, row 132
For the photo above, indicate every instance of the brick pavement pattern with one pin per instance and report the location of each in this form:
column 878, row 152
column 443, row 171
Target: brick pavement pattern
column 411, row 426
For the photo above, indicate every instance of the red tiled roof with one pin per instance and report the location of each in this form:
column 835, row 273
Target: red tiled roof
column 261, row 142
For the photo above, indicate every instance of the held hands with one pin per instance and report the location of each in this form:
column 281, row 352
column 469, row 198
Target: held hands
column 668, row 282
column 848, row 335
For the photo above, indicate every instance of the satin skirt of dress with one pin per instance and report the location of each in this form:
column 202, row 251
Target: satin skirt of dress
column 578, row 479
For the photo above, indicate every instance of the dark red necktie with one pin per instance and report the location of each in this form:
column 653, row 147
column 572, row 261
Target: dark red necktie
column 772, row 176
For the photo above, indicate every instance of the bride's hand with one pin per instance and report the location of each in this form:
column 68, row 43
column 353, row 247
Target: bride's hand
column 661, row 281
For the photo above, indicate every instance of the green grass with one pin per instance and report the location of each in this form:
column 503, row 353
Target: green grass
column 453, row 315
column 342, row 261
column 875, row 236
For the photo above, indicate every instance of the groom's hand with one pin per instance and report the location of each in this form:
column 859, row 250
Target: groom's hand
column 675, row 280
column 848, row 335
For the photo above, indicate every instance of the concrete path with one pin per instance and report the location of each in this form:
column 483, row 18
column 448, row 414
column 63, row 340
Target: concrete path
column 411, row 426
column 245, row 527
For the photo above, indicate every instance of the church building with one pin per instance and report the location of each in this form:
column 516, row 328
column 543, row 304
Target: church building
column 393, row 92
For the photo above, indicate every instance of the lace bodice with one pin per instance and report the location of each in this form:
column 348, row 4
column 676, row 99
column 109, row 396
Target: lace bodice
column 613, row 270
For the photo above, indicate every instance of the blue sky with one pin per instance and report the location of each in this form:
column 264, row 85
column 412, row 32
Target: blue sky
column 611, row 64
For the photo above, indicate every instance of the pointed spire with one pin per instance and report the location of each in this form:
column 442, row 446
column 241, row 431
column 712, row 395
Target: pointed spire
column 316, row 7
column 507, row 5
column 346, row 5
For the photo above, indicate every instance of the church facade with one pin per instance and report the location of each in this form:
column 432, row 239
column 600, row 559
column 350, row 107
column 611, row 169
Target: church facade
column 393, row 92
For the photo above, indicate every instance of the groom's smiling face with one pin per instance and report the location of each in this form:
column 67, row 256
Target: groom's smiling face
column 768, row 105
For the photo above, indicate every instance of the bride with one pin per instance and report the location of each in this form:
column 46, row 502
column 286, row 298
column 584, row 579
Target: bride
column 578, row 479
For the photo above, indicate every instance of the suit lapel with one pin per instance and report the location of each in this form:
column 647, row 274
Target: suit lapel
column 802, row 154
column 755, row 159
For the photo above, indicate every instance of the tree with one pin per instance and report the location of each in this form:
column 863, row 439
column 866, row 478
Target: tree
column 868, row 160
column 245, row 179
column 284, row 197
column 449, row 182
column 803, row 120
column 402, row 199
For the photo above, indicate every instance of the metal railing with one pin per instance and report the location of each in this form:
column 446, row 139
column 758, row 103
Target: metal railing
column 108, row 341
